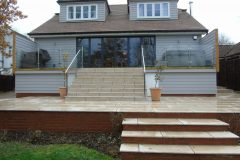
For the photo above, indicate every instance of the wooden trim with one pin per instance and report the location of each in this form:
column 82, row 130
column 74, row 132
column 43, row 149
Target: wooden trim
column 41, row 69
column 217, row 52
column 20, row 95
column 14, row 53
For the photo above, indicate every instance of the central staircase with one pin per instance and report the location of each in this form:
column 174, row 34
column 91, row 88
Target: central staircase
column 107, row 84
column 178, row 138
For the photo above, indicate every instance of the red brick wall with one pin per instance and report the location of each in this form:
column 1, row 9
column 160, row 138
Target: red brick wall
column 56, row 121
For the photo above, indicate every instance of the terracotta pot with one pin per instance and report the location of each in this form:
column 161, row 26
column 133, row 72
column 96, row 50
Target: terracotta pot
column 63, row 92
column 155, row 94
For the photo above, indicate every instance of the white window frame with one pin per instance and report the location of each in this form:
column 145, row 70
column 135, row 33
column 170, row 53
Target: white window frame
column 153, row 10
column 82, row 18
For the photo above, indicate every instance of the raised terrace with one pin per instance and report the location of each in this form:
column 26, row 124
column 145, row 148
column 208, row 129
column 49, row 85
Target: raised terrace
column 175, row 128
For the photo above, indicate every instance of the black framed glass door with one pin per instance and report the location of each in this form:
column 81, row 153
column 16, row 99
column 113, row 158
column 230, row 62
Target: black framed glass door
column 117, row 51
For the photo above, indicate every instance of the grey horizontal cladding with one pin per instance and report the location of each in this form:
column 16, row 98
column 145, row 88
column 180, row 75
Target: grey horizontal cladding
column 101, row 8
column 209, row 45
column 184, row 83
column 173, row 10
column 23, row 44
column 133, row 9
column 177, row 42
column 56, row 47
column 39, row 82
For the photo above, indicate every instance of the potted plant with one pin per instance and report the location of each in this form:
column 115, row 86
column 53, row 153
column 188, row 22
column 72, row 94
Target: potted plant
column 156, row 92
column 63, row 90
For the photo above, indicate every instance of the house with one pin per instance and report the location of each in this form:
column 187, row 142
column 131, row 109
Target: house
column 107, row 36
column 6, row 61
column 229, row 75
column 16, row 42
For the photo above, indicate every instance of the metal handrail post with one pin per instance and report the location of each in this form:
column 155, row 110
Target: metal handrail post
column 66, row 71
column 82, row 56
column 143, row 60
column 38, row 63
column 144, row 69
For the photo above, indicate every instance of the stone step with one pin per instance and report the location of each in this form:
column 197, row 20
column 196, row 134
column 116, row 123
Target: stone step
column 119, row 94
column 110, row 76
column 169, row 124
column 224, row 90
column 78, row 82
column 122, row 86
column 105, row 98
column 113, row 80
column 179, row 152
column 180, row 137
column 170, row 115
column 110, row 73
column 110, row 70
column 86, row 90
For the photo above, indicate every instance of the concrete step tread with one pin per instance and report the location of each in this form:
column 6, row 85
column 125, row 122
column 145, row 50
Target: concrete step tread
column 106, row 96
column 182, row 149
column 179, row 134
column 107, row 92
column 110, row 85
column 105, row 88
column 170, row 121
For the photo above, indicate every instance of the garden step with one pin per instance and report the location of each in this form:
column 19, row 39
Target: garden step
column 170, row 115
column 113, row 79
column 168, row 124
column 107, row 86
column 180, row 137
column 110, row 70
column 105, row 93
column 83, row 82
column 87, row 90
column 110, row 73
column 132, row 76
column 105, row 98
column 179, row 152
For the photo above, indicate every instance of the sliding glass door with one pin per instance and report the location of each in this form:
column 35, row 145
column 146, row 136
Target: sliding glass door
column 117, row 51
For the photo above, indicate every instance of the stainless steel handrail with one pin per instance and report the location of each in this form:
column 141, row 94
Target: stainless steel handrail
column 143, row 60
column 68, row 68
column 144, row 69
column 80, row 50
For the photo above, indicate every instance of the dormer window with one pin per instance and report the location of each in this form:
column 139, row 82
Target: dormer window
column 153, row 10
column 82, row 12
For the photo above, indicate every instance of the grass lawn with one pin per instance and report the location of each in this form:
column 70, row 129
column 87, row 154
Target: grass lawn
column 24, row 151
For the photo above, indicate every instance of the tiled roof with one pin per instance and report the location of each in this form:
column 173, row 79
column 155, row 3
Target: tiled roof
column 234, row 51
column 118, row 21
column 224, row 49
column 59, row 1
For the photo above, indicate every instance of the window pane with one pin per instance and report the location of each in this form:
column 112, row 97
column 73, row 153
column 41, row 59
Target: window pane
column 157, row 10
column 149, row 50
column 165, row 9
column 149, row 10
column 96, row 52
column 93, row 11
column 70, row 12
column 85, row 11
column 141, row 10
column 78, row 12
column 84, row 42
column 115, row 52
column 135, row 52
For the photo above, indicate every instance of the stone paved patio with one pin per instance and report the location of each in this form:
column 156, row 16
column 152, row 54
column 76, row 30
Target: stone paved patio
column 223, row 103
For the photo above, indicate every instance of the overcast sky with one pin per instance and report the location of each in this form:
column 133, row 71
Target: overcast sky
column 221, row 14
